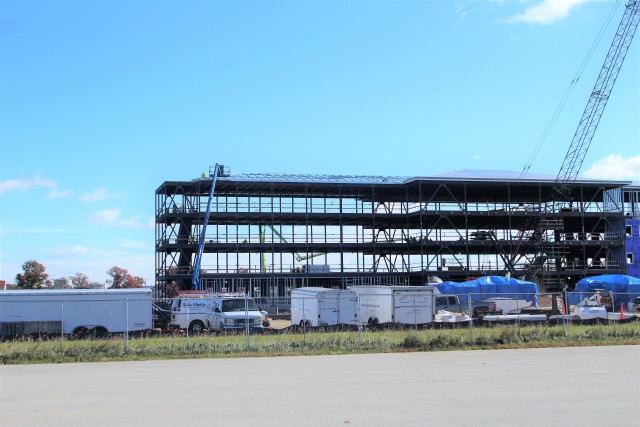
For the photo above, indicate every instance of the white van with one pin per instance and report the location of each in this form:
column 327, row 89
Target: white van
column 233, row 312
column 189, row 311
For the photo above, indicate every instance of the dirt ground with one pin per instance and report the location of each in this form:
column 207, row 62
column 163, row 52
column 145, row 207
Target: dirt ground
column 280, row 324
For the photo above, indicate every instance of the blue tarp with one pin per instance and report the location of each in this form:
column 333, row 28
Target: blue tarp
column 624, row 288
column 490, row 287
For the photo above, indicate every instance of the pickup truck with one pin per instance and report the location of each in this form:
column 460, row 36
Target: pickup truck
column 452, row 303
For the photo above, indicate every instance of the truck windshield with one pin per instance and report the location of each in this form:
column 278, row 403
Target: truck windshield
column 238, row 305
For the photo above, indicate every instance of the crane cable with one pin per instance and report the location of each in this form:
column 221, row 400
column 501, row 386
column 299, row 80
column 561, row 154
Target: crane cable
column 568, row 92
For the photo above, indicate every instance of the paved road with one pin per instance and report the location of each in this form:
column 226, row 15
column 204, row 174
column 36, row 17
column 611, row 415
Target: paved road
column 587, row 386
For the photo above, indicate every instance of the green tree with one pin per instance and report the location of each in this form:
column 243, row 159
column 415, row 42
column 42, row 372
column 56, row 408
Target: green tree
column 33, row 276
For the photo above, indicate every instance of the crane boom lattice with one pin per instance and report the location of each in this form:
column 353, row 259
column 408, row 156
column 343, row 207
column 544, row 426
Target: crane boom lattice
column 596, row 104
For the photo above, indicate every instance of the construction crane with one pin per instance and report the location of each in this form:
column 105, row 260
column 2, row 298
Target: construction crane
column 572, row 163
column 218, row 170
column 561, row 190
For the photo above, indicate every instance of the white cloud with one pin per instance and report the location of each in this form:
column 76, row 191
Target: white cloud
column 112, row 216
column 105, row 216
column 39, row 230
column 135, row 244
column 95, row 195
column 461, row 10
column 137, row 222
column 615, row 167
column 24, row 184
column 59, row 194
column 73, row 250
column 547, row 11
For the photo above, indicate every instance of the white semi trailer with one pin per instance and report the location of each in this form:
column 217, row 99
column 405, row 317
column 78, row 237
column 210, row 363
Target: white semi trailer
column 411, row 305
column 77, row 311
column 323, row 307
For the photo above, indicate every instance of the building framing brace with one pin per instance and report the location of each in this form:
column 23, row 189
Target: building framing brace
column 269, row 233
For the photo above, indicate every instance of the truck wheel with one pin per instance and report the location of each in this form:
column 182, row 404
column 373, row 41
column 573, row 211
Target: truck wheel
column 100, row 332
column 79, row 333
column 196, row 327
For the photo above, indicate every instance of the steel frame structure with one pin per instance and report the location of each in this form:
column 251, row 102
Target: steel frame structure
column 265, row 231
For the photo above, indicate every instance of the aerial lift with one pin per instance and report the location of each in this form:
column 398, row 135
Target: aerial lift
column 217, row 171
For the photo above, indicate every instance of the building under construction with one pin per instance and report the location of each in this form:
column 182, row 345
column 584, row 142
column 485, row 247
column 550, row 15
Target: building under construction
column 268, row 233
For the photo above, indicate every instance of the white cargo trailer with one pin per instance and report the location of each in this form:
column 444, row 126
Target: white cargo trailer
column 323, row 307
column 75, row 311
column 411, row 305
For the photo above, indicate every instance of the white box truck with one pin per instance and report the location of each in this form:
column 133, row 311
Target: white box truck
column 313, row 306
column 412, row 305
column 80, row 312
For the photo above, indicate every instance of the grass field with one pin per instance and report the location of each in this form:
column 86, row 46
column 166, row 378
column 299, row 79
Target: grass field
column 213, row 346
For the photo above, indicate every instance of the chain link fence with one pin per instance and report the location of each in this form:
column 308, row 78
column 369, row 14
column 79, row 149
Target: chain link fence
column 305, row 312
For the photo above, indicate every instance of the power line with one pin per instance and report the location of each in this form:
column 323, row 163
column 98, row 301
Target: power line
column 568, row 92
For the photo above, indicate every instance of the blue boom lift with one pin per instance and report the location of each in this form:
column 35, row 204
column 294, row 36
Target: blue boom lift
column 218, row 171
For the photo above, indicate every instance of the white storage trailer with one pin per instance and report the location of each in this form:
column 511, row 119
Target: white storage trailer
column 75, row 311
column 411, row 305
column 323, row 307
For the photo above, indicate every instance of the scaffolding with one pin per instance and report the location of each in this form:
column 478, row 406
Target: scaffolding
column 269, row 233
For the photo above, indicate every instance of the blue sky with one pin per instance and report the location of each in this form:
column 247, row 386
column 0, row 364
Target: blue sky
column 101, row 102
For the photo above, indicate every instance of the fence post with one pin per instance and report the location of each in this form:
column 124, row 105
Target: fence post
column 246, row 319
column 304, row 323
column 61, row 322
column 613, row 311
column 126, row 324
column 470, row 319
column 565, row 316
column 357, row 301
column 187, row 313
column 566, row 309
column 517, row 312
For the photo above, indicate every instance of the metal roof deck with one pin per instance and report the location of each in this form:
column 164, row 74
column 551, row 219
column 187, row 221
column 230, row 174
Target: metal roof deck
column 495, row 184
